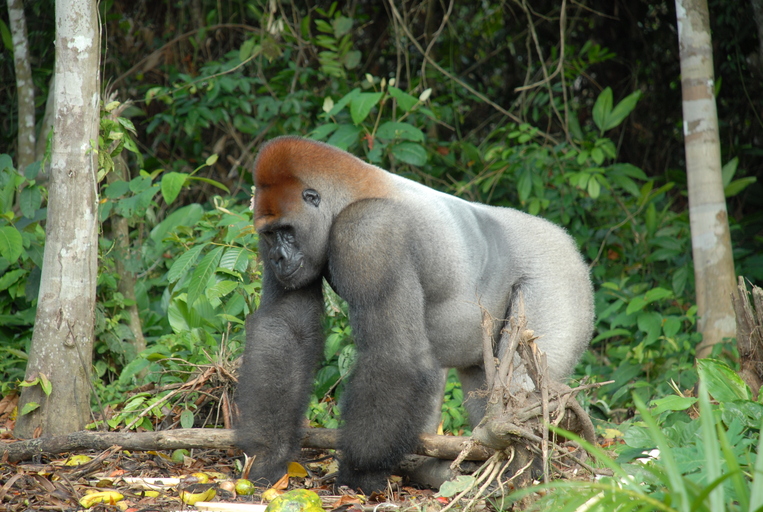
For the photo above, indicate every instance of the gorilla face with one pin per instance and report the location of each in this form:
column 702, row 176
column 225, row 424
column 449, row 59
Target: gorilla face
column 295, row 250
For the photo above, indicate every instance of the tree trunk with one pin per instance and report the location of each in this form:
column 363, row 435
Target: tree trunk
column 62, row 343
column 711, row 242
column 25, row 153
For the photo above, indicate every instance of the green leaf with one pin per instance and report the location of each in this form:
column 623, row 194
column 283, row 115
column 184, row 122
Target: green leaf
column 651, row 324
column 739, row 185
column 602, row 108
column 5, row 35
column 10, row 243
column 184, row 262
column 452, row 487
column 29, row 407
column 351, row 59
column 116, row 189
column 186, row 419
column 46, row 385
column 204, row 270
column 235, row 258
column 220, row 289
column 672, row 403
column 594, row 187
column 341, row 26
column 722, row 382
column 404, row 100
column 395, row 130
column 323, row 131
column 410, row 153
column 621, row 110
column 9, row 278
column 345, row 136
column 362, row 104
column 172, row 183
column 728, row 171
column 30, row 200
column 344, row 101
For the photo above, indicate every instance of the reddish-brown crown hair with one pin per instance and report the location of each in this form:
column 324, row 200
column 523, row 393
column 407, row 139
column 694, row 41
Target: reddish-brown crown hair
column 285, row 166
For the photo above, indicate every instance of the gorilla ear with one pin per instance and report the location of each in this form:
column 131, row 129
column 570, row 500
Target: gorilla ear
column 311, row 196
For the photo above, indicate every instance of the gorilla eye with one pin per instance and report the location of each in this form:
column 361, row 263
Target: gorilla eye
column 312, row 197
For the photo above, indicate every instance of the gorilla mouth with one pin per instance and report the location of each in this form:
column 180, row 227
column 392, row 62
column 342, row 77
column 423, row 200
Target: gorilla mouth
column 286, row 273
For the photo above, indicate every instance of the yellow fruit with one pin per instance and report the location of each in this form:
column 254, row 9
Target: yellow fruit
column 190, row 498
column 77, row 460
column 109, row 497
column 244, row 487
column 201, row 477
column 298, row 500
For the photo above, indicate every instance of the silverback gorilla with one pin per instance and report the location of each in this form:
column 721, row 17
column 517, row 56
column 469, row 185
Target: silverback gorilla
column 415, row 266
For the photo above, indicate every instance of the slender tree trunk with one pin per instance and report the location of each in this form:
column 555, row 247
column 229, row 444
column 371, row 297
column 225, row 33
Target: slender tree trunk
column 62, row 343
column 25, row 88
column 711, row 242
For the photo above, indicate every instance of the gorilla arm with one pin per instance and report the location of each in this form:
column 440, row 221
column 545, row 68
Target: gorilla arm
column 283, row 348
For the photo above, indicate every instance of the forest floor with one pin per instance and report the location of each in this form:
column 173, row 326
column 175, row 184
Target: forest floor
column 152, row 481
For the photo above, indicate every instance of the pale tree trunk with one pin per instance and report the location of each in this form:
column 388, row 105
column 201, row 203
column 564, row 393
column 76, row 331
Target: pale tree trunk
column 711, row 242
column 62, row 343
column 25, row 153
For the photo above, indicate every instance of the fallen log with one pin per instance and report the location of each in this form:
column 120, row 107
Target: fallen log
column 441, row 447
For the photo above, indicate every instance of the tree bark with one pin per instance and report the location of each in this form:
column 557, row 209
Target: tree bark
column 25, row 152
column 62, row 342
column 711, row 242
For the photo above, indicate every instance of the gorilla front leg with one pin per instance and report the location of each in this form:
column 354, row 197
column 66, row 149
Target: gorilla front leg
column 283, row 347
column 392, row 392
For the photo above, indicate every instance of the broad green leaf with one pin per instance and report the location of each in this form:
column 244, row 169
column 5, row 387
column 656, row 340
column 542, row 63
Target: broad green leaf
column 657, row 294
column 184, row 262
column 323, row 131
column 395, row 130
column 116, row 189
column 10, row 243
column 217, row 291
column 204, row 270
column 739, row 185
column 343, row 101
column 728, row 170
column 621, row 110
column 186, row 419
column 651, row 324
column 172, row 183
column 30, row 200
column 185, row 216
column 11, row 277
column 452, row 487
column 341, row 25
column 410, row 153
column 722, row 382
column 362, row 104
column 672, row 403
column 29, row 407
column 46, row 385
column 594, row 187
column 235, row 258
column 602, row 108
column 351, row 59
column 404, row 100
column 345, row 136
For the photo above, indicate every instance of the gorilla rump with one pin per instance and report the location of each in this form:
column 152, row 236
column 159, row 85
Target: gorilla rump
column 415, row 267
